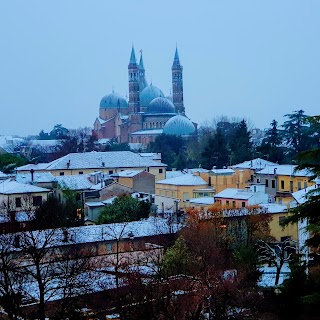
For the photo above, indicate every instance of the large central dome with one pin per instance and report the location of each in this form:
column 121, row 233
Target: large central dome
column 148, row 94
column 113, row 100
column 161, row 105
column 179, row 125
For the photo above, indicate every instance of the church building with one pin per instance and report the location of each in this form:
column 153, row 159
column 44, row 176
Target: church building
column 147, row 113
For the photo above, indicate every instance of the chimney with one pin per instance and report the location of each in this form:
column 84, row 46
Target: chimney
column 32, row 175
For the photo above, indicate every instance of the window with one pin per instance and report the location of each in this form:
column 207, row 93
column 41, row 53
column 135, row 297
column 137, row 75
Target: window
column 37, row 201
column 282, row 184
column 273, row 183
column 18, row 202
column 299, row 185
column 109, row 247
column 80, row 172
column 160, row 170
column 243, row 204
column 286, row 238
column 110, row 171
column 267, row 183
column 234, row 204
column 61, row 173
column 281, row 218
column 227, row 203
column 305, row 184
column 186, row 196
column 291, row 186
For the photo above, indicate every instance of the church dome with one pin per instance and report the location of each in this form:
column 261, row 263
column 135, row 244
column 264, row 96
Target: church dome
column 179, row 125
column 148, row 94
column 112, row 100
column 161, row 105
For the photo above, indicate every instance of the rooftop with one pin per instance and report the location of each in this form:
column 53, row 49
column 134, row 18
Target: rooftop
column 184, row 180
column 254, row 164
column 75, row 182
column 285, row 170
column 14, row 187
column 95, row 160
column 233, row 193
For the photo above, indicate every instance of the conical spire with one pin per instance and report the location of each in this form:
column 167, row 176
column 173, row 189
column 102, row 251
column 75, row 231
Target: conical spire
column 141, row 66
column 176, row 60
column 132, row 57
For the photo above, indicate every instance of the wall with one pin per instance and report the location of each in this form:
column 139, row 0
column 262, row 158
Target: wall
column 277, row 231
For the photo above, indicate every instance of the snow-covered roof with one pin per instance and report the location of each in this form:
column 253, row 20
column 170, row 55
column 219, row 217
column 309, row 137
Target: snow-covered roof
column 222, row 171
column 147, row 132
column 35, row 167
column 173, row 174
column 285, row 170
column 254, row 164
column 184, row 180
column 37, row 177
column 301, row 196
column 202, row 200
column 94, row 204
column 105, row 232
column 151, row 155
column 127, row 173
column 274, row 207
column 45, row 143
column 94, row 160
column 233, row 193
column 14, row 187
column 8, row 143
column 3, row 175
column 194, row 170
column 75, row 182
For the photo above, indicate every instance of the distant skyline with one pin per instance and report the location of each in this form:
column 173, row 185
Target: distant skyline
column 246, row 59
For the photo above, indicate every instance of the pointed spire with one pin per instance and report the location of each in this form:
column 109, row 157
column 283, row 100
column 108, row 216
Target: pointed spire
column 176, row 60
column 132, row 57
column 141, row 66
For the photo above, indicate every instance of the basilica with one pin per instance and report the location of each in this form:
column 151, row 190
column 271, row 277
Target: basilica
column 147, row 113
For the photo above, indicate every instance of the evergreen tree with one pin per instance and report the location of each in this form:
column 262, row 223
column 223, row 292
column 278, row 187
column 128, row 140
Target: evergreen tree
column 241, row 145
column 124, row 209
column 309, row 210
column 271, row 145
column 215, row 152
column 297, row 131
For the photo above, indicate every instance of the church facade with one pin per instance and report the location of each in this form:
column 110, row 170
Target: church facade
column 147, row 113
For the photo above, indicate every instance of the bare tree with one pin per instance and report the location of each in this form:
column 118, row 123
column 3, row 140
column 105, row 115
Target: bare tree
column 276, row 254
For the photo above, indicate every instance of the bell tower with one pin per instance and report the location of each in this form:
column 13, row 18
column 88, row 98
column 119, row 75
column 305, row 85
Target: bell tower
column 177, row 83
column 133, row 73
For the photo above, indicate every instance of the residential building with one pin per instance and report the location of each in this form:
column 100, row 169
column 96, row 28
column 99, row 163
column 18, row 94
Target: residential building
column 282, row 180
column 181, row 187
column 15, row 196
column 240, row 198
column 278, row 213
column 107, row 162
column 137, row 180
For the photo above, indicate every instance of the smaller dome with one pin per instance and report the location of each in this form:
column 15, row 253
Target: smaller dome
column 179, row 125
column 112, row 100
column 161, row 105
column 148, row 94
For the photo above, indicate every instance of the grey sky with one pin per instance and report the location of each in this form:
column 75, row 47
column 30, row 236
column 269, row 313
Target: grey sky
column 252, row 59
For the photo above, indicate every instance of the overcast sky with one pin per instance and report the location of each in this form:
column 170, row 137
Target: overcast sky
column 251, row 59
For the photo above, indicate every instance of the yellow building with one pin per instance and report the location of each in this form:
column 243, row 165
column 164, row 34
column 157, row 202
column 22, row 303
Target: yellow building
column 107, row 162
column 182, row 187
column 15, row 196
column 282, row 180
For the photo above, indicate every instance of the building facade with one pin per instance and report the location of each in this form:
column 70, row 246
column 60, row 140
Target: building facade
column 144, row 115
